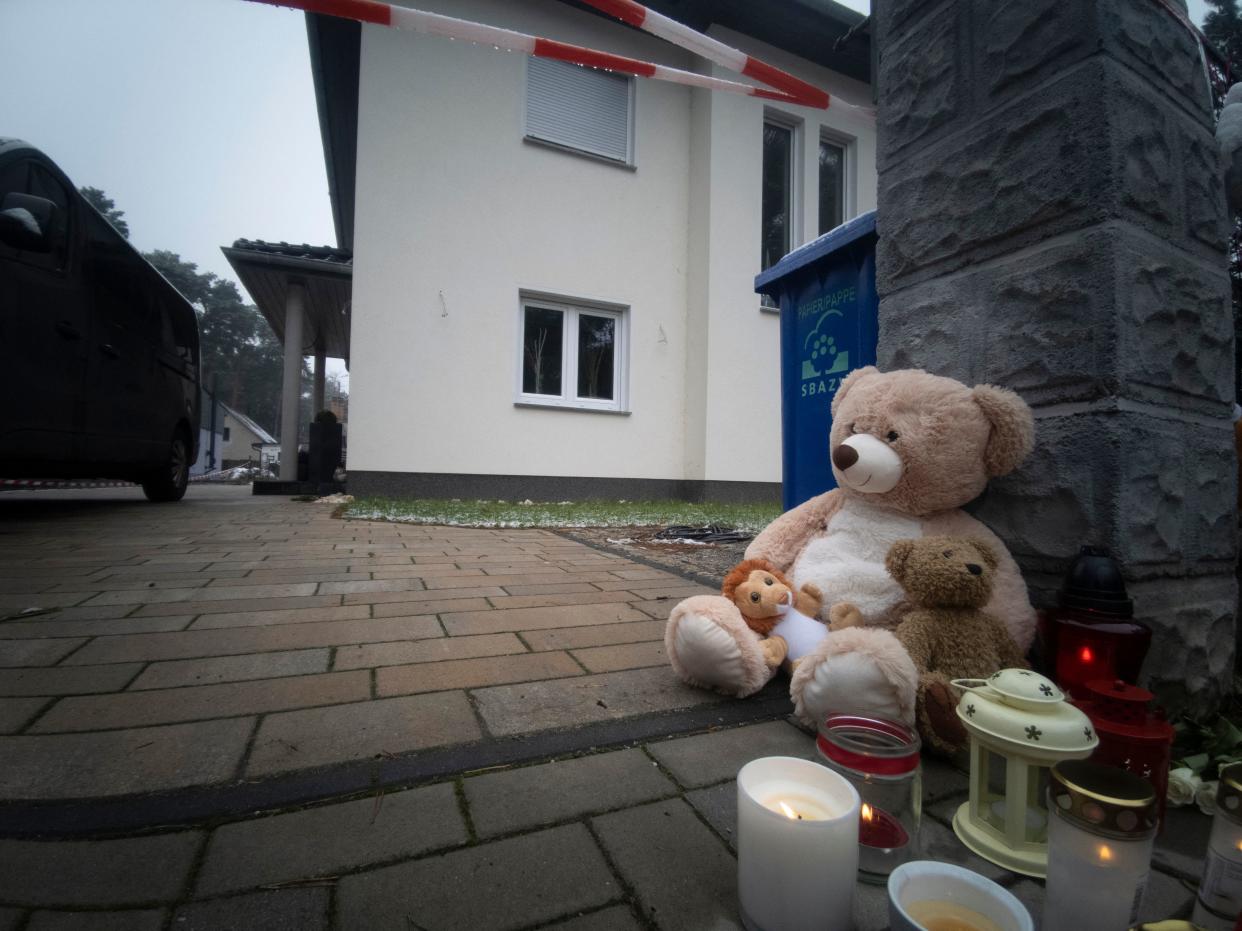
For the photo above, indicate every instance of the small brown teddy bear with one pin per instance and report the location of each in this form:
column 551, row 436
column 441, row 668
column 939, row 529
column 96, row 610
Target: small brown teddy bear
column 947, row 581
column 767, row 600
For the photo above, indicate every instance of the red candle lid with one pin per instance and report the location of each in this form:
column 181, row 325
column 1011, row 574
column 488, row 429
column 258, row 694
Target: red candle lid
column 1116, row 707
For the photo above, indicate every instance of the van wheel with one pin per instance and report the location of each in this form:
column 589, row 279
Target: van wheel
column 168, row 482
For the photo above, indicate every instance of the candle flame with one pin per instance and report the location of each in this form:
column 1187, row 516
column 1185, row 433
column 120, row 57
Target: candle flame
column 789, row 812
column 1105, row 853
column 1086, row 655
column 867, row 814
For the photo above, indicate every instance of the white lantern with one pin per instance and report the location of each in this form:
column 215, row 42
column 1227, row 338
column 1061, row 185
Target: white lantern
column 1019, row 725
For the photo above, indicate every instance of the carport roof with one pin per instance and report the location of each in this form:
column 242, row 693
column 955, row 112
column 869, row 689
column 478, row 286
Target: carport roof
column 266, row 269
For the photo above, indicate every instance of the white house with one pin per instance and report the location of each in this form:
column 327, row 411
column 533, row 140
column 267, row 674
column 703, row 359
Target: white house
column 244, row 441
column 553, row 266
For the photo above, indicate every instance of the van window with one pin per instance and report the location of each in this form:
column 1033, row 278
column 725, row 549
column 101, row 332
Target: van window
column 43, row 184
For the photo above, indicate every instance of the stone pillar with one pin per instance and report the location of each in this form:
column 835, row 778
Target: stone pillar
column 318, row 386
column 1051, row 219
column 291, row 386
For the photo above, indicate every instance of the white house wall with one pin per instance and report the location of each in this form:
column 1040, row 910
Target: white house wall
column 455, row 215
column 452, row 202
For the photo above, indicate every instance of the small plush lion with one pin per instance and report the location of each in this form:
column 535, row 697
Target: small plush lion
column 767, row 601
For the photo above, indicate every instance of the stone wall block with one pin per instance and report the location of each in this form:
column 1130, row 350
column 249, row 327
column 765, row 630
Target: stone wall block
column 937, row 325
column 1190, row 666
column 1146, row 158
column 920, row 81
column 1032, row 170
column 891, row 18
column 1146, row 37
column 1207, row 219
column 1020, row 42
column 1175, row 329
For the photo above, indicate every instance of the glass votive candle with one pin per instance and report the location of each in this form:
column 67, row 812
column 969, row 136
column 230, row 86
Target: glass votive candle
column 797, row 846
column 1101, row 825
column 880, row 759
column 1219, row 902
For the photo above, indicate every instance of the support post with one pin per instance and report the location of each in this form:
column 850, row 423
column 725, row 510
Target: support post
column 317, row 393
column 1052, row 219
column 291, row 386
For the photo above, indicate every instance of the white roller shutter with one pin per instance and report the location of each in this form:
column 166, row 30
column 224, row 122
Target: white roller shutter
column 578, row 107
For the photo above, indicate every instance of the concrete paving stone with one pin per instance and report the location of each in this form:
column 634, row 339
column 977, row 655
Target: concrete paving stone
column 474, row 673
column 943, row 779
column 681, row 873
column 414, row 609
column 1030, row 893
column 40, row 652
column 342, row 733
column 570, row 638
column 274, row 910
column 656, row 610
column 15, row 713
column 718, row 807
column 144, row 759
column 270, row 618
column 416, row 599
column 551, row 601
column 370, row 585
column 202, row 702
column 275, row 576
column 640, row 574
column 392, row 825
column 189, row 644
column 97, row 872
column 134, row 583
column 493, row 622
column 506, row 884
column 870, row 907
column 609, row 696
column 93, row 613
column 622, row 656
column 718, row 755
column 176, row 673
column 14, row 604
column 671, row 593
column 115, row 625
column 370, row 655
column 939, row 843
column 235, row 605
column 1182, row 843
column 424, row 571
column 136, row 920
column 10, row 918
column 1167, row 897
column 613, row 918
column 557, row 588
column 541, row 577
column 618, row 585
column 67, row 680
column 559, row 791
column 156, row 572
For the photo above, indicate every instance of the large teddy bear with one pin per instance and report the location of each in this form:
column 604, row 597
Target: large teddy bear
column 908, row 450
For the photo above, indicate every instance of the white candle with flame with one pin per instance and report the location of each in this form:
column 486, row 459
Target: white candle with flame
column 797, row 846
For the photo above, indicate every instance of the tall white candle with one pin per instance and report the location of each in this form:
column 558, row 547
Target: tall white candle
column 796, row 863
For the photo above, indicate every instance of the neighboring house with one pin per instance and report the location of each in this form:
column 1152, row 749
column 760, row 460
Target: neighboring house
column 244, row 440
column 553, row 266
column 210, row 441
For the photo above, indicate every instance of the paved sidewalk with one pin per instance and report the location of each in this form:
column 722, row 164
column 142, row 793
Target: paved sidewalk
column 233, row 637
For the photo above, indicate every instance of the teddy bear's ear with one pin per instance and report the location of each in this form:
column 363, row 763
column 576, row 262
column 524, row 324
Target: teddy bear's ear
column 1013, row 428
column 850, row 380
column 986, row 553
column 898, row 553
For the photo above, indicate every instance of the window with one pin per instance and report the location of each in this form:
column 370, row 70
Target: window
column 225, row 434
column 580, row 108
column 777, row 193
column 572, row 355
column 831, row 185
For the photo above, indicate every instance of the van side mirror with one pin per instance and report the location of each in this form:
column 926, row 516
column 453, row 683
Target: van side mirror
column 26, row 222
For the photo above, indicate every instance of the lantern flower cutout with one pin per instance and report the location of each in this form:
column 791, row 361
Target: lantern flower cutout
column 1020, row 725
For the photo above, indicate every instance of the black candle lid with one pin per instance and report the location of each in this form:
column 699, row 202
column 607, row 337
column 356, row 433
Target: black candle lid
column 1094, row 583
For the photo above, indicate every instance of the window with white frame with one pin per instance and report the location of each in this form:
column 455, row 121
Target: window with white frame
column 832, row 164
column 580, row 108
column 572, row 355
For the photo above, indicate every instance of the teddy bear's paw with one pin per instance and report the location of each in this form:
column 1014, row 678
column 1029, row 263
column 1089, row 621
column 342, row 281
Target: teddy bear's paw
column 710, row 646
column 857, row 671
column 842, row 615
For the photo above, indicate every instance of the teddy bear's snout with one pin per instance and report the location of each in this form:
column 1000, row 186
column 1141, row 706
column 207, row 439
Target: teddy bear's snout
column 844, row 456
column 867, row 464
column 973, row 569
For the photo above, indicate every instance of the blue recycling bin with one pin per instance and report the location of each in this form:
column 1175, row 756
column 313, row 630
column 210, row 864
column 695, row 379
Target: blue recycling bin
column 829, row 327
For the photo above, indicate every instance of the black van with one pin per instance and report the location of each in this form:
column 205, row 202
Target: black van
column 98, row 352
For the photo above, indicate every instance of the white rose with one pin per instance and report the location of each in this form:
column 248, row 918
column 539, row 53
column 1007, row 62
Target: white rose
column 1205, row 797
column 1183, row 783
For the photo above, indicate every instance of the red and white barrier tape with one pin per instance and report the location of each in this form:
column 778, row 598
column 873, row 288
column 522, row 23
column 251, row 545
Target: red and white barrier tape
column 786, row 87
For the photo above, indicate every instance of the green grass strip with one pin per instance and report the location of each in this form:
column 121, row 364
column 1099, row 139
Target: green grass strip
column 748, row 517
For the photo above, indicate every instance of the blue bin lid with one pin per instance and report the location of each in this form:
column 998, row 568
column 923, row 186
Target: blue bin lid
column 862, row 225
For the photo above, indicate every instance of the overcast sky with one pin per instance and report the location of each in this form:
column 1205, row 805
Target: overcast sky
column 196, row 116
